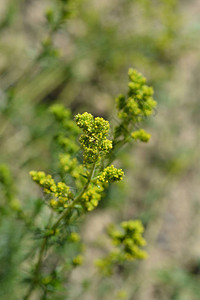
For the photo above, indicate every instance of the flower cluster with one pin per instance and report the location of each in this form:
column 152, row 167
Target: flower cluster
column 94, row 140
column 138, row 104
column 128, row 240
column 95, row 144
column 61, row 192
column 89, row 176
column 139, row 101
column 74, row 237
column 70, row 165
column 63, row 115
column 141, row 135
column 111, row 174
column 78, row 260
column 60, row 112
column 67, row 144
column 92, row 196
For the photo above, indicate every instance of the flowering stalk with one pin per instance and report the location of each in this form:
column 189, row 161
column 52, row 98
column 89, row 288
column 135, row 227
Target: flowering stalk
column 90, row 179
column 53, row 229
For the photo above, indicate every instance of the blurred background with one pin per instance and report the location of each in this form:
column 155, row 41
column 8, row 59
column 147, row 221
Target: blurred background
column 83, row 64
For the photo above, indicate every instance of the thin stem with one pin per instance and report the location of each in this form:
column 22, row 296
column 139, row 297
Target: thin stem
column 37, row 269
column 54, row 227
column 117, row 146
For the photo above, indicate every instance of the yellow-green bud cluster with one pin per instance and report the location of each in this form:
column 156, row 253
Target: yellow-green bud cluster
column 45, row 181
column 68, row 144
column 68, row 130
column 60, row 191
column 74, row 237
column 111, row 174
column 94, row 140
column 129, row 239
column 63, row 116
column 60, row 112
column 106, row 264
column 78, row 260
column 47, row 280
column 92, row 196
column 141, row 135
column 70, row 165
column 75, row 170
column 138, row 103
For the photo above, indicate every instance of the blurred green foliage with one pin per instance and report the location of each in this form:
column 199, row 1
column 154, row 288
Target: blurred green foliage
column 78, row 54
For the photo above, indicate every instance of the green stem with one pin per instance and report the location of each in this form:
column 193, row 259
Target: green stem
column 117, row 146
column 37, row 269
column 54, row 227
